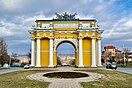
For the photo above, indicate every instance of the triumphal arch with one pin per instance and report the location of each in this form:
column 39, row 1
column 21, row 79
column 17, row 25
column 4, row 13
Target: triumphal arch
column 83, row 34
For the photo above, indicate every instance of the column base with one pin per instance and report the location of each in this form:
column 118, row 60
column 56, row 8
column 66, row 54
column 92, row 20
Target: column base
column 100, row 65
column 93, row 66
column 51, row 66
column 32, row 65
column 80, row 66
column 38, row 66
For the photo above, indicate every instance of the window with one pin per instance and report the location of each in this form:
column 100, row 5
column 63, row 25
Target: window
column 38, row 24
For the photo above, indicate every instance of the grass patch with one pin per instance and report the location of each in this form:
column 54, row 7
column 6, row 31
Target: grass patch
column 3, row 68
column 113, row 79
column 18, row 80
column 128, row 65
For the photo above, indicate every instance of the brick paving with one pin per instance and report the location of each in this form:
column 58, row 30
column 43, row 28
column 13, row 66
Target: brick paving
column 65, row 83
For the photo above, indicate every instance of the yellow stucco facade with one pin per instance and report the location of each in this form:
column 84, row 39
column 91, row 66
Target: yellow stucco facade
column 84, row 35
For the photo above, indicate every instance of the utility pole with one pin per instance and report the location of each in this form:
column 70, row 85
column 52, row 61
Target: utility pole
column 9, row 61
column 124, row 58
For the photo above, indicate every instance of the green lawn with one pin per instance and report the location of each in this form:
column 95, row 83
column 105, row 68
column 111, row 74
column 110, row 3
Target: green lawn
column 113, row 79
column 19, row 80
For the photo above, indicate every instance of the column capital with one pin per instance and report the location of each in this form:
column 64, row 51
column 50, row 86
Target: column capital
column 80, row 37
column 32, row 38
column 93, row 37
column 99, row 38
column 51, row 37
column 38, row 37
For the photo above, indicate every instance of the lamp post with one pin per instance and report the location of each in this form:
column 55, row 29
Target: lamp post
column 124, row 59
column 9, row 61
column 0, row 60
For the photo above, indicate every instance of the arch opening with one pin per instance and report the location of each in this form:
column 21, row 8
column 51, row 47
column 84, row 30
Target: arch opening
column 66, row 53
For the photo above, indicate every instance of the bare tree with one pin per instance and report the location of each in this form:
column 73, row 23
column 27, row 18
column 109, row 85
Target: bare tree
column 118, row 56
column 29, row 54
column 108, row 56
column 126, row 51
column 14, row 57
column 4, row 57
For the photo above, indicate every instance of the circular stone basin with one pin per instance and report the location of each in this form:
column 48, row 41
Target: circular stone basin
column 66, row 75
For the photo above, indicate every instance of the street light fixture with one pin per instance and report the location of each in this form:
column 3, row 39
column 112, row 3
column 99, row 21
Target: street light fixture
column 9, row 61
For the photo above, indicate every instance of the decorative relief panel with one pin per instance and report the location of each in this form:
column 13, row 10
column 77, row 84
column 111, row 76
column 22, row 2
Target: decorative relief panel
column 45, row 25
column 65, row 25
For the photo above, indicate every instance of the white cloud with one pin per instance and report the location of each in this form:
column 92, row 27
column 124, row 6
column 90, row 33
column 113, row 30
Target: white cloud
column 6, row 29
column 11, row 4
column 15, row 31
column 21, row 14
column 128, row 23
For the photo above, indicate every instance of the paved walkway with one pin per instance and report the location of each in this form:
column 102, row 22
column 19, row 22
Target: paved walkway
column 65, row 83
column 125, row 70
column 11, row 69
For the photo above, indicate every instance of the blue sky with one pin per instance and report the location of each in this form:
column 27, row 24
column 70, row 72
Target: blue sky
column 17, row 17
column 65, row 48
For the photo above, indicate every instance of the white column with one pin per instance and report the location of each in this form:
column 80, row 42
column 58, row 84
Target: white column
column 51, row 53
column 80, row 53
column 38, row 53
column 32, row 53
column 93, row 53
column 99, row 52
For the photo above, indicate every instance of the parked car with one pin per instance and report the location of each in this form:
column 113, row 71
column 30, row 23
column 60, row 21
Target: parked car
column 112, row 65
column 27, row 66
column 64, row 64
